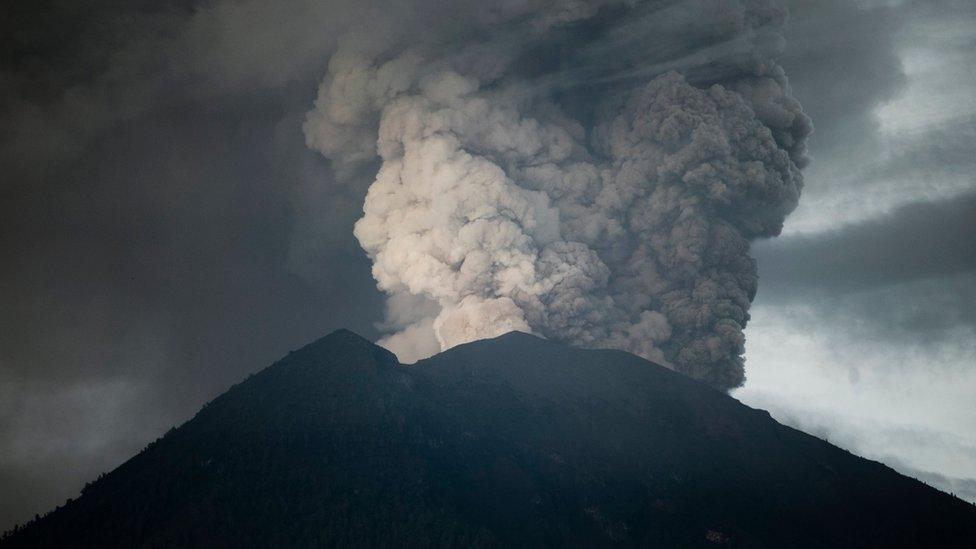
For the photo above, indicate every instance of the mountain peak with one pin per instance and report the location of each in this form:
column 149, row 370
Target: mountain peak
column 517, row 335
column 343, row 337
column 511, row 441
column 341, row 343
column 344, row 333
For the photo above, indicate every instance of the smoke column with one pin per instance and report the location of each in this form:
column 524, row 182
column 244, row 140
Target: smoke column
column 592, row 172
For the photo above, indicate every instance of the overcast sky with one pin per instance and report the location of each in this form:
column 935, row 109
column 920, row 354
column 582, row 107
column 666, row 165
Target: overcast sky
column 166, row 232
column 864, row 328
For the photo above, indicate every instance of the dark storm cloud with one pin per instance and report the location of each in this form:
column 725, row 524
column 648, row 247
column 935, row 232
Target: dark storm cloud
column 920, row 240
column 843, row 62
column 153, row 169
column 889, row 86
column 907, row 279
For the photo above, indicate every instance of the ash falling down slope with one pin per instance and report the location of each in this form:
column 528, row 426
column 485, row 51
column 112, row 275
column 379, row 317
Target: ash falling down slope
column 592, row 172
column 513, row 441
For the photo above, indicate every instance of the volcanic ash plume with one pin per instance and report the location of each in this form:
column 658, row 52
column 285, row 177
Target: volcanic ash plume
column 592, row 173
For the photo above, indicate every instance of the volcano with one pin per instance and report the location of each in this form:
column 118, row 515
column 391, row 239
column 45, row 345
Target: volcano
column 513, row 441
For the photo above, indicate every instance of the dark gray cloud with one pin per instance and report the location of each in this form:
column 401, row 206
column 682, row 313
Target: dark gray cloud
column 147, row 213
column 843, row 63
column 916, row 241
column 889, row 85
column 906, row 278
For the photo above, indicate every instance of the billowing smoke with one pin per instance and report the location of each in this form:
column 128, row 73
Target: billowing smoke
column 592, row 172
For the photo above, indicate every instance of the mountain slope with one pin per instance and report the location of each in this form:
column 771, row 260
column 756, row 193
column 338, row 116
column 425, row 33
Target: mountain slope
column 510, row 441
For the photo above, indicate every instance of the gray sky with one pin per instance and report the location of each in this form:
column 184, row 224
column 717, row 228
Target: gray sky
column 166, row 231
column 864, row 329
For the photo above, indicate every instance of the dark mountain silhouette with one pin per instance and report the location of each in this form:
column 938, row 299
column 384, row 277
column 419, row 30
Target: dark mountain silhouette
column 511, row 441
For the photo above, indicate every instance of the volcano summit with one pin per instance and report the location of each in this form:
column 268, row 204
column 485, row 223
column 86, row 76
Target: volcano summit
column 513, row 441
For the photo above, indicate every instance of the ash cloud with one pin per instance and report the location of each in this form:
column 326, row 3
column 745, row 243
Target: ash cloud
column 596, row 175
